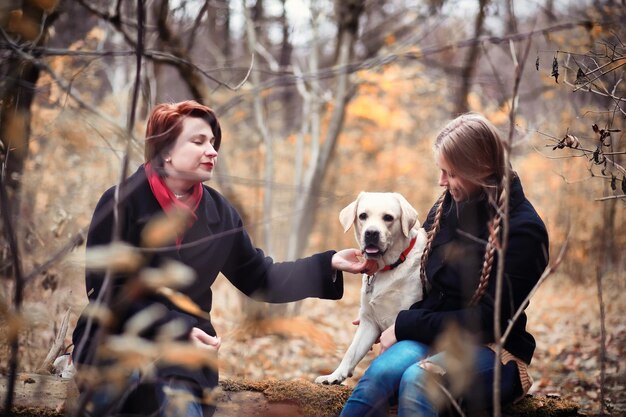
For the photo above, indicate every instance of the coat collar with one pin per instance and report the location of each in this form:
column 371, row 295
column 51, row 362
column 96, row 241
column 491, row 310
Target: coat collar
column 472, row 217
column 207, row 210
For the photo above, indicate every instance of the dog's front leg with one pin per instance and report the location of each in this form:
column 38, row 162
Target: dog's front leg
column 366, row 335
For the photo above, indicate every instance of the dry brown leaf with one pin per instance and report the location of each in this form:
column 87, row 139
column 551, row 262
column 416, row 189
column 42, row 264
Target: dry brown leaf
column 144, row 318
column 16, row 131
column 458, row 347
column 118, row 257
column 164, row 229
column 172, row 274
column 47, row 5
column 135, row 352
column 13, row 324
column 172, row 330
column 188, row 355
column 98, row 312
column 130, row 352
column 183, row 302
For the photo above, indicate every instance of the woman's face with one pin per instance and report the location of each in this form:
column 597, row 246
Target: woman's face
column 460, row 188
column 192, row 157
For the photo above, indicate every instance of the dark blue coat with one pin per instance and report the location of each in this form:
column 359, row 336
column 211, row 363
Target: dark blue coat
column 217, row 242
column 454, row 268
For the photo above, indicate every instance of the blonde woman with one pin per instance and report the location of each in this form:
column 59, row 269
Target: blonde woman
column 458, row 274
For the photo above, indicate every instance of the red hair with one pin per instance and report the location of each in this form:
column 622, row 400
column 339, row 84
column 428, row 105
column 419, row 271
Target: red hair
column 164, row 126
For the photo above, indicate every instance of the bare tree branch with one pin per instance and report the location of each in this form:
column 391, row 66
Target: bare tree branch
column 18, row 291
column 265, row 135
column 611, row 197
column 519, row 69
column 57, row 346
column 467, row 73
column 196, row 24
column 105, row 295
column 75, row 241
column 65, row 86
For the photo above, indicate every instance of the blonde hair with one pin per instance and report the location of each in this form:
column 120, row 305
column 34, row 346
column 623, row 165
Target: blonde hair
column 472, row 147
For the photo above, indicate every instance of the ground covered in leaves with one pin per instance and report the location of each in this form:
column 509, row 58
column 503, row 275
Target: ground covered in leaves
column 564, row 317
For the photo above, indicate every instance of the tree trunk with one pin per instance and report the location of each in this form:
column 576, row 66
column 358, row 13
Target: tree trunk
column 469, row 68
column 258, row 16
column 18, row 82
column 511, row 19
column 173, row 44
column 263, row 130
column 308, row 206
column 349, row 14
column 218, row 22
column 284, row 61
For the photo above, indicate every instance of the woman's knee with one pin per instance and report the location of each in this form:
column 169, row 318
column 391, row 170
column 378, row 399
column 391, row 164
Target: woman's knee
column 391, row 365
column 413, row 378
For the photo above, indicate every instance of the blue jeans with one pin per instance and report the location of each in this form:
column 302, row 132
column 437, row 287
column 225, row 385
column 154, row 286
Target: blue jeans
column 179, row 398
column 173, row 397
column 396, row 378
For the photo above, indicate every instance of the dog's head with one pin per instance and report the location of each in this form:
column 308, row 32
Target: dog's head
column 382, row 222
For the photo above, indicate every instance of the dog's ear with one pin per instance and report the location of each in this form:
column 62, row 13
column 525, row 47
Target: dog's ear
column 409, row 214
column 348, row 214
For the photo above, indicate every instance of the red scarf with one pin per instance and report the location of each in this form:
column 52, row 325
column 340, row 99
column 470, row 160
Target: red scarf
column 168, row 201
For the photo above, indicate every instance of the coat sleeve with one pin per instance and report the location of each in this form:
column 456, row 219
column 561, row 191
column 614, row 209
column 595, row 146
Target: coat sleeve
column 525, row 261
column 258, row 276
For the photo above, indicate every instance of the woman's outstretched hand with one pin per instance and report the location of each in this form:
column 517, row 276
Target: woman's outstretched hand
column 352, row 260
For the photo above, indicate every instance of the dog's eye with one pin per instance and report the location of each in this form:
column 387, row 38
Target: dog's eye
column 388, row 218
column 363, row 216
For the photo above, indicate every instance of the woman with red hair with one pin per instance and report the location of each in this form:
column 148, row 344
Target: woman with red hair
column 182, row 143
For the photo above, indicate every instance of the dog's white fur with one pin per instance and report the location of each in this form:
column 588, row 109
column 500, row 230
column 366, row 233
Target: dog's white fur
column 386, row 293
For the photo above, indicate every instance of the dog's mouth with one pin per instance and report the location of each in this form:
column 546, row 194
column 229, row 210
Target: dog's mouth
column 372, row 251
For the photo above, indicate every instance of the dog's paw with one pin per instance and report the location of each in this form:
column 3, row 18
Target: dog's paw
column 332, row 379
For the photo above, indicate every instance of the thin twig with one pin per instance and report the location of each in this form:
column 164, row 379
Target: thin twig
column 57, row 346
column 8, row 220
column 611, row 197
column 64, row 86
column 262, row 128
column 502, row 248
column 600, row 75
column 106, row 292
column 452, row 400
column 602, row 338
column 75, row 241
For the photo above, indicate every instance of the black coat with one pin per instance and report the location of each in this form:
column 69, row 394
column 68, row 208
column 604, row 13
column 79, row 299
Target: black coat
column 217, row 242
column 454, row 268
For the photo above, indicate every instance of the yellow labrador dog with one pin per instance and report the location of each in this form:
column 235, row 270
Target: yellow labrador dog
column 388, row 232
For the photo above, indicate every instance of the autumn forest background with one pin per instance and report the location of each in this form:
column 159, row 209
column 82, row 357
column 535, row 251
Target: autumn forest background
column 319, row 100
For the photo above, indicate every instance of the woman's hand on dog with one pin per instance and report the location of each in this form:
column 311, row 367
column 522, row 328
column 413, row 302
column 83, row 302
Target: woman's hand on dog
column 352, row 260
column 388, row 338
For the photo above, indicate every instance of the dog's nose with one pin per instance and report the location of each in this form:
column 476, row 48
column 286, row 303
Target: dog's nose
column 371, row 235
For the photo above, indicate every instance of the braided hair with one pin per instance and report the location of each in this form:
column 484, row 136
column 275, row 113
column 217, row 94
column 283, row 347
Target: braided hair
column 429, row 240
column 472, row 146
